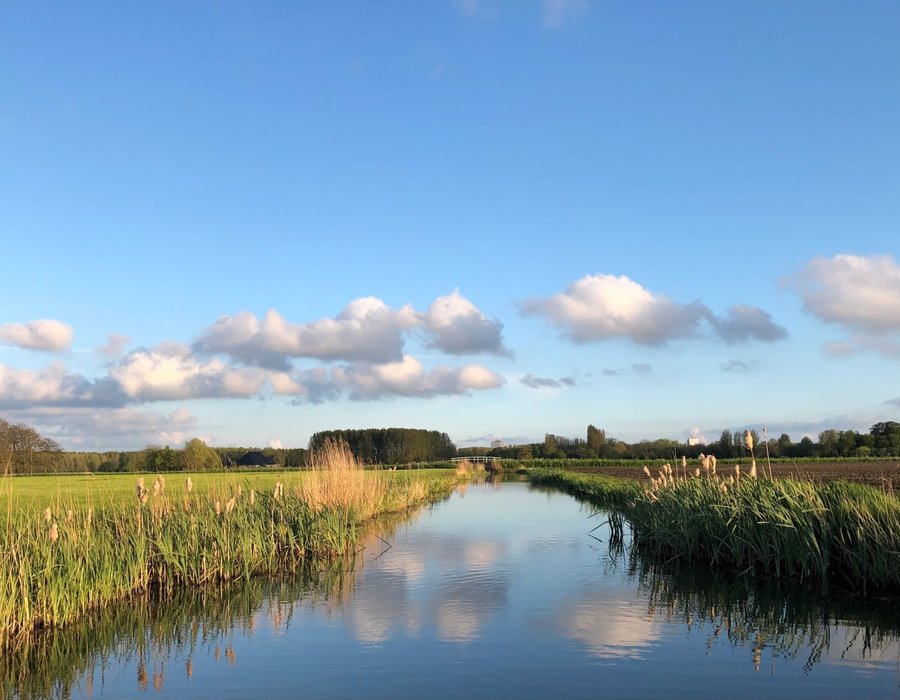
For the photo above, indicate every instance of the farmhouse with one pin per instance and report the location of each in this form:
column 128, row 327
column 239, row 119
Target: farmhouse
column 255, row 458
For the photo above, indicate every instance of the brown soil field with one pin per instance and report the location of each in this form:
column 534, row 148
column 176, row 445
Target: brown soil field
column 877, row 473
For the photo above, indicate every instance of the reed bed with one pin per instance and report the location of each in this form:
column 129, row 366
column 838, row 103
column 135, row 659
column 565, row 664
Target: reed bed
column 837, row 532
column 61, row 562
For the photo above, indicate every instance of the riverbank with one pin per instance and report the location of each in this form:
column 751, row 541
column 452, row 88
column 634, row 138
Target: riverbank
column 75, row 555
column 836, row 533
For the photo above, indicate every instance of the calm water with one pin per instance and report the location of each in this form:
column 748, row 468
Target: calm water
column 497, row 592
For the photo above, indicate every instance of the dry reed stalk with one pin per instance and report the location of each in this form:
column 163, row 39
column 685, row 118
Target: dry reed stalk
column 229, row 506
column 189, row 485
column 338, row 480
column 54, row 533
column 48, row 515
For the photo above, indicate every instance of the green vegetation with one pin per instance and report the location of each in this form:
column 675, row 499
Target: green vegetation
column 390, row 445
column 64, row 554
column 882, row 440
column 836, row 532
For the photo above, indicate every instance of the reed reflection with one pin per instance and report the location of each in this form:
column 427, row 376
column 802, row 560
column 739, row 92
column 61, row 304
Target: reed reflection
column 774, row 620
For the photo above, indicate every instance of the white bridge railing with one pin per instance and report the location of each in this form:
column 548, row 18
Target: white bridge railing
column 483, row 459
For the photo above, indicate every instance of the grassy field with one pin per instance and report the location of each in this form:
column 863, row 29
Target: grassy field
column 73, row 544
column 834, row 532
column 96, row 490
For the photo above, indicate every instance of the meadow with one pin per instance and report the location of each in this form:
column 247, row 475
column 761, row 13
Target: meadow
column 76, row 543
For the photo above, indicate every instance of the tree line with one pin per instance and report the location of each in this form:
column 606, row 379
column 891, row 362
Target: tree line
column 882, row 440
column 23, row 450
column 390, row 445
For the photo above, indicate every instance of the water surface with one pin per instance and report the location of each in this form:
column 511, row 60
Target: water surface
column 497, row 592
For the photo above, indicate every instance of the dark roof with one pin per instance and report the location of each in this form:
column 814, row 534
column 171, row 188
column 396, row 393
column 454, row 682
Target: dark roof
column 255, row 459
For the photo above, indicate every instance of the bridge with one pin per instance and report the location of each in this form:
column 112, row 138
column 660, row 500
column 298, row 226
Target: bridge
column 483, row 459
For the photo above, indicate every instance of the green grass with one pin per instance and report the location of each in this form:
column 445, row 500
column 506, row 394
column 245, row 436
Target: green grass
column 838, row 532
column 40, row 491
column 97, row 543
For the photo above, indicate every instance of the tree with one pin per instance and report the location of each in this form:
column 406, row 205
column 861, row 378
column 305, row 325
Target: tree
column 725, row 445
column 198, row 456
column 886, row 438
column 22, row 447
column 596, row 439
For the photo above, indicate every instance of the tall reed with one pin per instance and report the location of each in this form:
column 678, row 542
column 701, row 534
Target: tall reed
column 59, row 563
column 837, row 532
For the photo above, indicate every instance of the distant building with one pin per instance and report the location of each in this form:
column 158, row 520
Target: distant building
column 497, row 443
column 255, row 458
column 693, row 441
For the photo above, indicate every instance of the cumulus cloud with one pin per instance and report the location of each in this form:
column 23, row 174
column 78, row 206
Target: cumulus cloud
column 366, row 330
column 362, row 381
column 114, row 345
column 557, row 13
column 858, row 293
column 458, row 327
column 604, row 307
column 534, row 382
column 738, row 366
column 409, row 378
column 42, row 334
column 84, row 428
column 171, row 372
column 54, row 386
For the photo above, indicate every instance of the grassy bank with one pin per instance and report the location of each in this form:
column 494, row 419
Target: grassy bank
column 838, row 532
column 82, row 551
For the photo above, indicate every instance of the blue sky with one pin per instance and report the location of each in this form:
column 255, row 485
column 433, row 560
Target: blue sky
column 656, row 218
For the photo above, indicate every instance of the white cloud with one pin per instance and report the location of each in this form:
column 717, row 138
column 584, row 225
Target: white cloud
column 458, row 327
column 53, row 386
column 366, row 330
column 41, row 334
column 362, row 381
column 275, row 443
column 859, row 294
column 170, row 372
column 114, row 345
column 84, row 428
column 557, row 13
column 603, row 307
column 409, row 378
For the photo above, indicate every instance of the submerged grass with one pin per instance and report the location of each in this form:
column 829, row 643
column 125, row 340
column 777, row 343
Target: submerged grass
column 59, row 562
column 838, row 532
